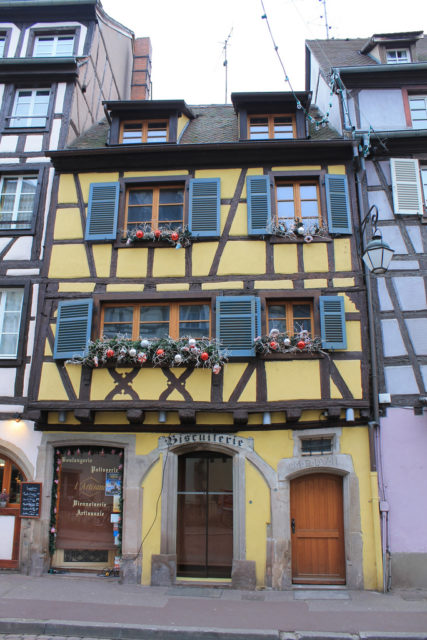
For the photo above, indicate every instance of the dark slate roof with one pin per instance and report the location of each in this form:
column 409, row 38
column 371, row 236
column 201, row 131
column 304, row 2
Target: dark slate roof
column 347, row 53
column 215, row 123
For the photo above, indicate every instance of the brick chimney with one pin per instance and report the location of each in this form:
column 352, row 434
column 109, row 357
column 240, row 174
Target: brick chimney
column 141, row 72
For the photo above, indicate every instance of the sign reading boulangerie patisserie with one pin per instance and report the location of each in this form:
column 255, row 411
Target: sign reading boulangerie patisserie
column 89, row 493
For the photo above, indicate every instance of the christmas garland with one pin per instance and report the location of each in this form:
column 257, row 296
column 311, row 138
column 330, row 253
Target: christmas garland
column 163, row 352
column 177, row 237
column 277, row 342
column 57, row 461
column 299, row 230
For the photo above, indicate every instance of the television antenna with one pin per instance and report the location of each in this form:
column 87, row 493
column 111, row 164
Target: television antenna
column 225, row 63
column 325, row 17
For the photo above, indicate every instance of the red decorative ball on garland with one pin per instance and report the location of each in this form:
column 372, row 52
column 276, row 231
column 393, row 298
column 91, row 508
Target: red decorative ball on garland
column 110, row 353
column 204, row 356
column 157, row 233
column 174, row 236
column 301, row 344
column 139, row 234
column 273, row 345
column 160, row 352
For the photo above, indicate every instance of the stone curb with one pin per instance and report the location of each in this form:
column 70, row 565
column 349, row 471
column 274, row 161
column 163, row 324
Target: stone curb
column 116, row 631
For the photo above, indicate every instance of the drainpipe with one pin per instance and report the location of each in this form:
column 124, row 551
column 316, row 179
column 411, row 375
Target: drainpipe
column 374, row 425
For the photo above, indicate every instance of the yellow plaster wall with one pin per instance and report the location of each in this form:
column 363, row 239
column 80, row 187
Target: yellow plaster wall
column 102, row 384
column 335, row 392
column 349, row 305
column 336, row 169
column 342, row 253
column 315, row 257
column 110, row 417
column 68, row 224
column 272, row 446
column 153, row 174
column 79, row 287
column 169, row 263
column 257, row 517
column 68, row 261
column 75, row 375
column 239, row 226
column 343, row 282
column 151, row 487
column 288, row 380
column 132, row 263
column 229, row 178
column 355, row 442
column 102, row 258
column 218, row 285
column 214, row 418
column 202, row 257
column 51, row 387
column 242, row 257
column 315, row 283
column 150, row 383
column 310, row 167
column 232, row 374
column 125, row 287
column 178, row 286
column 254, row 171
column 285, row 258
column 182, row 122
column 354, row 338
column 87, row 178
column 351, row 373
column 198, row 384
column 67, row 193
column 273, row 284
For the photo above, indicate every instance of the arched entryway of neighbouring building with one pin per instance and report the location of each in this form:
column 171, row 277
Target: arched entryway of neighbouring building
column 317, row 529
column 11, row 477
column 204, row 539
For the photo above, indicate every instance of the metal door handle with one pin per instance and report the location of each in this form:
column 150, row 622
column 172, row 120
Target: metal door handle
column 293, row 525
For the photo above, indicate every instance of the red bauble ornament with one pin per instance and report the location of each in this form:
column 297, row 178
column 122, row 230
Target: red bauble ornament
column 139, row 234
column 157, row 233
column 160, row 352
column 174, row 236
column 274, row 345
column 204, row 356
column 301, row 344
column 110, row 353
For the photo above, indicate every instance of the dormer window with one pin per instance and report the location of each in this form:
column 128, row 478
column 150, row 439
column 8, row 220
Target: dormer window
column 53, row 46
column 268, row 127
column 398, row 56
column 138, row 131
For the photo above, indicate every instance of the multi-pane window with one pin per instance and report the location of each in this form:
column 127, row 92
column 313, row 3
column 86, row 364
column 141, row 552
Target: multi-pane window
column 280, row 127
column 398, row 56
column 156, row 206
column 316, row 446
column 2, row 44
column 10, row 480
column 418, row 108
column 53, row 46
column 144, row 131
column 10, row 321
column 156, row 320
column 290, row 317
column 30, row 108
column 17, row 194
column 297, row 201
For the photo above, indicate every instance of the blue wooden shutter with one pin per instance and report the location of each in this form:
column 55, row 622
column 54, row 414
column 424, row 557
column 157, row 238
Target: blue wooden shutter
column 259, row 205
column 332, row 322
column 204, row 212
column 102, row 211
column 338, row 203
column 237, row 319
column 72, row 328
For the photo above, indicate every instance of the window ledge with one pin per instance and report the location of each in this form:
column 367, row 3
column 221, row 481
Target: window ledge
column 281, row 240
column 292, row 356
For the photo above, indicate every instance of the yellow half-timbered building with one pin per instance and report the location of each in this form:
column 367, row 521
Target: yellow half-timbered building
column 202, row 381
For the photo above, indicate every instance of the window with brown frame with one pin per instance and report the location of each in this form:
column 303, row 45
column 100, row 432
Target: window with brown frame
column 148, row 320
column 290, row 317
column 157, row 206
column 278, row 127
column 10, row 479
column 298, row 199
column 138, row 131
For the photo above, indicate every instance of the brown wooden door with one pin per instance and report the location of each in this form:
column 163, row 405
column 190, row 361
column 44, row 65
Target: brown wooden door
column 317, row 529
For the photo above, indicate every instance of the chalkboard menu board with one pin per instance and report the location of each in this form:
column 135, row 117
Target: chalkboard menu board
column 30, row 499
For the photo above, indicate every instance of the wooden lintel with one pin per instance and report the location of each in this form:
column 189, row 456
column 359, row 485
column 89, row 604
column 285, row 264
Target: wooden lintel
column 240, row 417
column 187, row 416
column 85, row 416
column 135, row 416
column 293, row 415
column 365, row 413
column 334, row 413
column 36, row 416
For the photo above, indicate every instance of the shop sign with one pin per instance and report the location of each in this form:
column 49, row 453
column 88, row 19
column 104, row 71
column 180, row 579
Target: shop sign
column 226, row 439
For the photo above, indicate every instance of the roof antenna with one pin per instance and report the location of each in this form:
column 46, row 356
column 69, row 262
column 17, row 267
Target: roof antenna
column 225, row 63
column 325, row 16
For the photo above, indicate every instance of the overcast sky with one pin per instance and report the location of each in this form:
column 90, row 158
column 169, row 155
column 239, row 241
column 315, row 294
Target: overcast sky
column 188, row 38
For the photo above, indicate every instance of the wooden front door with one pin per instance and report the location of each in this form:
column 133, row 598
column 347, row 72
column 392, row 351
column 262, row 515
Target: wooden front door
column 317, row 529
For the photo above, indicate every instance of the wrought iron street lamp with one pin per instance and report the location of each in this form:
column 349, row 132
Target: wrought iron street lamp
column 377, row 254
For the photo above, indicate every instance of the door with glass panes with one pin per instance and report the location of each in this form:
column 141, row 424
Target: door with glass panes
column 205, row 515
column 11, row 478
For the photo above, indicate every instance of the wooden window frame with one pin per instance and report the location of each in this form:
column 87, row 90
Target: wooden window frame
column 144, row 129
column 270, row 121
column 9, row 171
column 396, row 49
column 7, row 477
column 297, row 200
column 173, row 306
column 289, row 303
column 417, row 95
column 155, row 188
column 55, row 31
